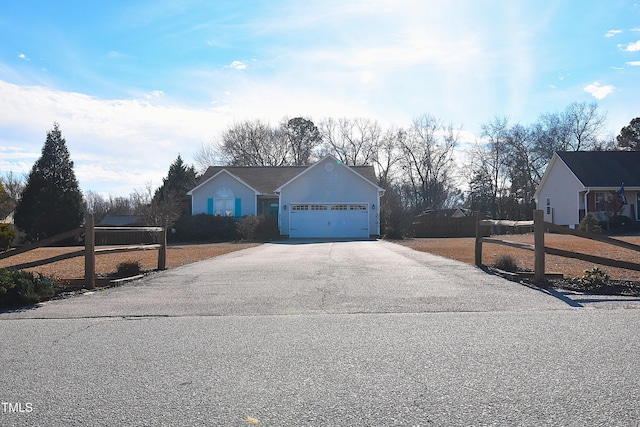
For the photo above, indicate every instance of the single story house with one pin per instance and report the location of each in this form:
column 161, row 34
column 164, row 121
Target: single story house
column 576, row 183
column 325, row 200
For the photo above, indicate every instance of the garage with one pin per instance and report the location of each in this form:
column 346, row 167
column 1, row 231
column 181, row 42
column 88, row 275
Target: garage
column 329, row 220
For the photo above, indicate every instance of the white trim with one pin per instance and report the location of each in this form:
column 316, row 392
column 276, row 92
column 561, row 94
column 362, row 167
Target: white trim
column 547, row 172
column 368, row 211
column 279, row 189
column 211, row 178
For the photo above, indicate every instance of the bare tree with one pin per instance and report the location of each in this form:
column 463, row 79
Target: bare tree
column 354, row 142
column 303, row 138
column 96, row 205
column 11, row 187
column 387, row 160
column 523, row 173
column 254, row 143
column 427, row 163
column 496, row 160
column 207, row 155
column 585, row 125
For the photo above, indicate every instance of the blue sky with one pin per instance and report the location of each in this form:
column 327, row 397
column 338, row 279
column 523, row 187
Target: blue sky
column 133, row 84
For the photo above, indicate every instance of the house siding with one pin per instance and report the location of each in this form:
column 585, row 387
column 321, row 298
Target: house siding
column 202, row 198
column 563, row 189
column 340, row 185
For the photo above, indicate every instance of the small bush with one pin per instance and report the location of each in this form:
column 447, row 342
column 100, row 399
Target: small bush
column 7, row 236
column 129, row 268
column 621, row 223
column 204, row 228
column 594, row 278
column 590, row 223
column 258, row 227
column 393, row 233
column 20, row 288
column 506, row 263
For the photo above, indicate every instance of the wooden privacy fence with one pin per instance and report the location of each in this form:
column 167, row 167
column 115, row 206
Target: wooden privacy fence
column 539, row 249
column 434, row 226
column 90, row 251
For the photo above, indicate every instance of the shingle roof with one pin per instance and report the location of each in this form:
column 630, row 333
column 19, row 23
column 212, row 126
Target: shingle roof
column 265, row 179
column 604, row 168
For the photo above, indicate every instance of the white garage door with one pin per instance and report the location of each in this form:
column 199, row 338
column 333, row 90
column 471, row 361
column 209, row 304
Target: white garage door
column 329, row 220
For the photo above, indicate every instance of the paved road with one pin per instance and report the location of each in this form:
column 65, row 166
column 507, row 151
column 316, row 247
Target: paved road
column 351, row 333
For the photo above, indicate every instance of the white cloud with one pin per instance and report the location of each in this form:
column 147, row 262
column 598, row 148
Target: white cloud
column 156, row 94
column 238, row 65
column 631, row 47
column 612, row 33
column 23, row 56
column 117, row 145
column 114, row 54
column 634, row 63
column 599, row 91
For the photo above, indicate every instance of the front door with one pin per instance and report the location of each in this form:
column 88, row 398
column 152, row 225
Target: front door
column 268, row 207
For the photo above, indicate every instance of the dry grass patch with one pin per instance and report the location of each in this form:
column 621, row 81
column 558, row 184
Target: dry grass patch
column 463, row 249
column 177, row 255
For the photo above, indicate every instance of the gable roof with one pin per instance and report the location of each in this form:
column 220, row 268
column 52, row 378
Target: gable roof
column 266, row 179
column 365, row 169
column 604, row 168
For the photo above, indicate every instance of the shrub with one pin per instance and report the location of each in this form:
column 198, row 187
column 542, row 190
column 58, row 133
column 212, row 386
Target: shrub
column 590, row 223
column 506, row 263
column 621, row 222
column 258, row 227
column 7, row 236
column 393, row 233
column 20, row 288
column 204, row 228
column 129, row 268
column 594, row 278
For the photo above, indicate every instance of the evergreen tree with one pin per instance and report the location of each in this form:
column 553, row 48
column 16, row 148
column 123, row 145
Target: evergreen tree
column 171, row 198
column 629, row 138
column 51, row 202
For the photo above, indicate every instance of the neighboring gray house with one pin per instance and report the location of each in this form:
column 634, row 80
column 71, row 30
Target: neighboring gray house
column 579, row 182
column 327, row 199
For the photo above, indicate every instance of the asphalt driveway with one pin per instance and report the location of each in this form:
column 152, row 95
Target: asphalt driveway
column 311, row 278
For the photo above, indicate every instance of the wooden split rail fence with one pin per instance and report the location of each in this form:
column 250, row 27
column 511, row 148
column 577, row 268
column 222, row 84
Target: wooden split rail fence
column 90, row 250
column 539, row 249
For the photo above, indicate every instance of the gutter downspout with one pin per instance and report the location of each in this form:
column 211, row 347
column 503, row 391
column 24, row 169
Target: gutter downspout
column 586, row 202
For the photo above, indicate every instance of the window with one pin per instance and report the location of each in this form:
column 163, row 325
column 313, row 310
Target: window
column 318, row 207
column 358, row 207
column 224, row 202
column 300, row 207
column 604, row 201
column 548, row 205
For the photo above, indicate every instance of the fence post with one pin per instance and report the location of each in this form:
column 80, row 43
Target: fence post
column 162, row 252
column 538, row 240
column 89, row 252
column 478, row 242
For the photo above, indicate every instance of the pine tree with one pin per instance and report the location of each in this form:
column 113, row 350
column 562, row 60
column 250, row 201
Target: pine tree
column 629, row 138
column 52, row 201
column 171, row 198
